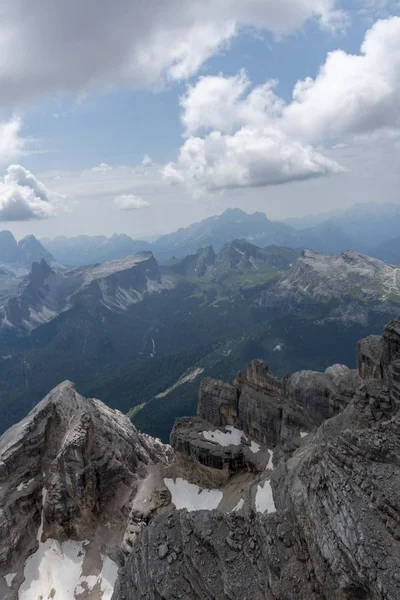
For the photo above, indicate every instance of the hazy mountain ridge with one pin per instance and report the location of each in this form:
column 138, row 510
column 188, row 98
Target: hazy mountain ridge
column 214, row 231
column 21, row 255
column 362, row 228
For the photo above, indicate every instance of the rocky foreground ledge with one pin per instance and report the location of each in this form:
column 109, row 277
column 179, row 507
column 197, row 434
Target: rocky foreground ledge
column 277, row 490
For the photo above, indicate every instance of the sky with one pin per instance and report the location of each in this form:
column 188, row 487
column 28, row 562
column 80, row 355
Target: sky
column 141, row 117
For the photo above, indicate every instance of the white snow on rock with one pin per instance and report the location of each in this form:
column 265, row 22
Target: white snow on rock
column 192, row 497
column 24, row 485
column 55, row 571
column 254, row 447
column 10, row 578
column 264, row 499
column 270, row 464
column 230, row 438
column 303, row 433
column 238, row 506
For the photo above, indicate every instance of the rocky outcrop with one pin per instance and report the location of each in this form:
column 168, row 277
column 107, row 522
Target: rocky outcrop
column 323, row 395
column 72, row 470
column 334, row 531
column 218, row 402
column 369, row 351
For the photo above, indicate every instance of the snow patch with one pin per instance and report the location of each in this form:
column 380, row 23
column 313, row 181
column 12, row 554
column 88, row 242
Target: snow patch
column 270, row 464
column 254, row 447
column 231, row 438
column 264, row 499
column 238, row 506
column 24, row 485
column 192, row 497
column 55, row 570
column 303, row 433
column 10, row 578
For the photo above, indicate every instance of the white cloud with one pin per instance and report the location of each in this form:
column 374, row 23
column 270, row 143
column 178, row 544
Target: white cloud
column 23, row 197
column 352, row 94
column 130, row 202
column 12, row 145
column 80, row 44
column 225, row 103
column 251, row 137
column 102, row 167
column 147, row 162
column 250, row 157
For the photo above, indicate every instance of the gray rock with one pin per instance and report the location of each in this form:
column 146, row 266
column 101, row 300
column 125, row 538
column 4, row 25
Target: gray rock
column 89, row 458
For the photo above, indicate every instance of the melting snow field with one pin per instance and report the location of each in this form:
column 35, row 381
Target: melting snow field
column 264, row 499
column 231, row 438
column 192, row 497
column 55, row 571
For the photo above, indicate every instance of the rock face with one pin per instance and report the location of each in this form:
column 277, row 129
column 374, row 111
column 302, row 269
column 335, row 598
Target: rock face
column 351, row 286
column 369, row 352
column 333, row 532
column 115, row 285
column 323, row 395
column 72, row 469
column 277, row 490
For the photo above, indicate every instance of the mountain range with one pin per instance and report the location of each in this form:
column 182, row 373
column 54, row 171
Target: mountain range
column 364, row 228
column 111, row 327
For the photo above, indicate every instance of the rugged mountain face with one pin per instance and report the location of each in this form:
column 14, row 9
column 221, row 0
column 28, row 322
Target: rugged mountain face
column 236, row 257
column 116, row 285
column 351, row 283
column 321, row 522
column 259, row 498
column 70, row 474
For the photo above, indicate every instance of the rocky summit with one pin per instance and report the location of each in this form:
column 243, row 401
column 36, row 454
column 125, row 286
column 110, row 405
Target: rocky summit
column 279, row 489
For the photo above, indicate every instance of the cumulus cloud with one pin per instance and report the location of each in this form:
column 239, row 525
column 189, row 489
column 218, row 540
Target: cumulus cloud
column 130, row 202
column 243, row 142
column 352, row 94
column 23, row 197
column 102, row 167
column 12, row 144
column 240, row 135
column 79, row 44
column 147, row 162
column 250, row 157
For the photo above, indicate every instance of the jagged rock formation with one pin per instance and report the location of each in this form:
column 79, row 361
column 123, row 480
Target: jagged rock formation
column 324, row 395
column 115, row 285
column 71, row 471
column 351, row 285
column 263, row 496
column 334, row 534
